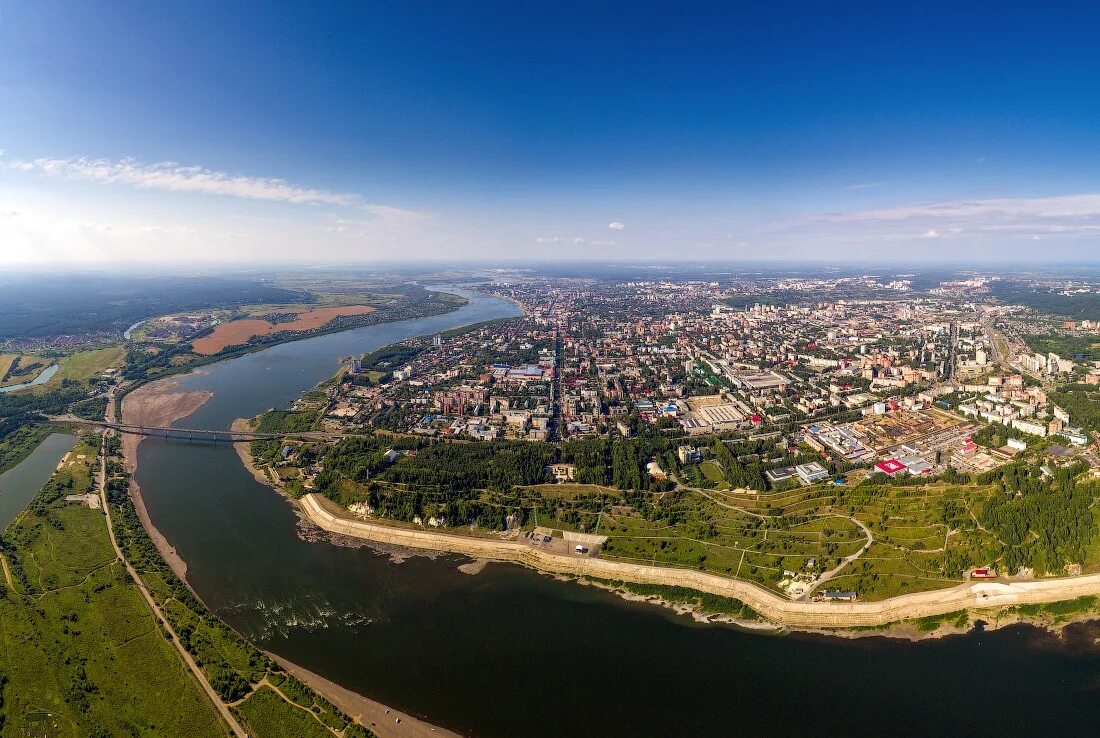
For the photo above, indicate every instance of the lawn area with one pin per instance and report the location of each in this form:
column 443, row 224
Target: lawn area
column 571, row 490
column 77, row 641
column 712, row 471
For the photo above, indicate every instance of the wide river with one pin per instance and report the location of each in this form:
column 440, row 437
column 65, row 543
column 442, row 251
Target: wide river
column 510, row 652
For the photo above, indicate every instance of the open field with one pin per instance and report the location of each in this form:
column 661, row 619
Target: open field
column 79, row 647
column 572, row 490
column 21, row 368
column 83, row 365
column 267, row 715
column 712, row 472
column 5, row 364
column 241, row 331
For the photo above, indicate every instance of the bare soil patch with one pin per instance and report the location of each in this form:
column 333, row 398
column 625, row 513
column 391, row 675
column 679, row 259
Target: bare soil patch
column 238, row 332
column 156, row 404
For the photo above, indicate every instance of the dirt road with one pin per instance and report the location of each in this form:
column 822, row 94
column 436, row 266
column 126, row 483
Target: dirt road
column 215, row 698
column 7, row 572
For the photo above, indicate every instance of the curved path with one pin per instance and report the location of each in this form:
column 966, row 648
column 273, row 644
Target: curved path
column 826, row 576
column 969, row 595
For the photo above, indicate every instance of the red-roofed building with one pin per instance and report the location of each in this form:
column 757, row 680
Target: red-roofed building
column 890, row 466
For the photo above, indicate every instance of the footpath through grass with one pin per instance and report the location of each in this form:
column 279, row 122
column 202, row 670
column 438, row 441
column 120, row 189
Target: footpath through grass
column 81, row 654
column 236, row 669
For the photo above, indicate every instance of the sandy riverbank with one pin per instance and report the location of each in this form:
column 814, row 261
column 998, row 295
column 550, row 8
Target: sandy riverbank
column 156, row 403
column 244, row 452
column 159, row 404
column 374, row 715
column 984, row 595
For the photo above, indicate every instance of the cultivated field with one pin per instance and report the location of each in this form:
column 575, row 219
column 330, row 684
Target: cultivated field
column 238, row 332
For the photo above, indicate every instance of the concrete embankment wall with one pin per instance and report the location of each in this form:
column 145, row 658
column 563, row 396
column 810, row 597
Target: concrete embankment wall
column 796, row 614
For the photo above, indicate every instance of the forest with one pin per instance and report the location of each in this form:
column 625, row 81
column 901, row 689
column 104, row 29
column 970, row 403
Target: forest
column 1044, row 519
column 1083, row 306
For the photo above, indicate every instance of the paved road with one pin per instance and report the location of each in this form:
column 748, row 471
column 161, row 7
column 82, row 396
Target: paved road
column 223, row 436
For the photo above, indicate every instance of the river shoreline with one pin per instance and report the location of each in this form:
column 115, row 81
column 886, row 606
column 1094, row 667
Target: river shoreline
column 386, row 722
column 244, row 453
column 158, row 403
column 844, row 619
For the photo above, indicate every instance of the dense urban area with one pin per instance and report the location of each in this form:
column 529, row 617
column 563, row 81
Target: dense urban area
column 831, row 439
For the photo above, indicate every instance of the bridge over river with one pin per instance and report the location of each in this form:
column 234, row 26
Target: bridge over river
column 195, row 434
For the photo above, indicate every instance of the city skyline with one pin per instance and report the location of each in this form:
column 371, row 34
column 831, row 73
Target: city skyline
column 371, row 133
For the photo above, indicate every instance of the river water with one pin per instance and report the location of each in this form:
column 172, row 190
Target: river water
column 19, row 484
column 510, row 652
column 44, row 376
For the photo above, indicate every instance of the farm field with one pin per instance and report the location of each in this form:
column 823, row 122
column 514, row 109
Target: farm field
column 241, row 331
column 21, row 368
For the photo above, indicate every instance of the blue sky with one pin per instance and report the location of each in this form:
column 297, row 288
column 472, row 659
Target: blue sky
column 362, row 131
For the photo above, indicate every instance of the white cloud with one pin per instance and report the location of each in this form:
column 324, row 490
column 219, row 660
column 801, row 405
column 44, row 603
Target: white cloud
column 864, row 185
column 575, row 241
column 980, row 220
column 616, row 225
column 172, row 177
column 1063, row 206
